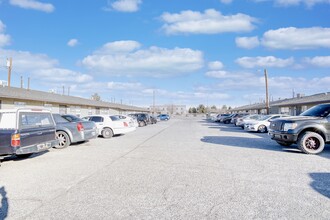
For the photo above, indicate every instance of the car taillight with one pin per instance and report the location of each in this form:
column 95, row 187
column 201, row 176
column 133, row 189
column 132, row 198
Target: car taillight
column 125, row 124
column 80, row 126
column 15, row 140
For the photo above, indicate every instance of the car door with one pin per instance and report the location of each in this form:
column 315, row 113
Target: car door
column 36, row 128
column 99, row 121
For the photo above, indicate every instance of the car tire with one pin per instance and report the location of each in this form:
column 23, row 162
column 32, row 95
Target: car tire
column 262, row 129
column 311, row 143
column 107, row 133
column 63, row 138
column 284, row 144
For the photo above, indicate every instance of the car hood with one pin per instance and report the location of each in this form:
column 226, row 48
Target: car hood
column 300, row 118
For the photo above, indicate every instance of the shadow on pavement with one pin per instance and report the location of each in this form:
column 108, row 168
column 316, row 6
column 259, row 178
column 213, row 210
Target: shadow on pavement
column 15, row 158
column 321, row 183
column 4, row 203
column 244, row 142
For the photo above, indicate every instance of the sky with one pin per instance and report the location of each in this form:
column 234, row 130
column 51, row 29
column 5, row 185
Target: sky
column 185, row 52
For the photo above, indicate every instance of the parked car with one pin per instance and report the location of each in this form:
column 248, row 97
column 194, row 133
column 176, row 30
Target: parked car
column 68, row 132
column 90, row 128
column 220, row 117
column 262, row 124
column 310, row 130
column 153, row 119
column 163, row 117
column 227, row 119
column 109, row 125
column 132, row 121
column 142, row 118
column 237, row 116
column 241, row 121
column 26, row 131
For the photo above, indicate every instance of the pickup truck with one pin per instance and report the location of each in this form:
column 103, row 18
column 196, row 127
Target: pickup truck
column 26, row 131
column 310, row 130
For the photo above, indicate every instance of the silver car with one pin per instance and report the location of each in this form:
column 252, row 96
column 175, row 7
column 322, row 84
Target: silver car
column 68, row 132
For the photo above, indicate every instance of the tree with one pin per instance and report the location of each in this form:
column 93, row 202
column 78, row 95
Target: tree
column 96, row 97
column 213, row 107
column 201, row 109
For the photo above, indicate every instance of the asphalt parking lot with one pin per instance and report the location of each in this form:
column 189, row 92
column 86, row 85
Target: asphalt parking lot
column 184, row 168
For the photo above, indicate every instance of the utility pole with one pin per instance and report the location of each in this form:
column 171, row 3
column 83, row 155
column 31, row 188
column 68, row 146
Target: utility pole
column 21, row 82
column 9, row 65
column 267, row 98
column 153, row 102
column 28, row 83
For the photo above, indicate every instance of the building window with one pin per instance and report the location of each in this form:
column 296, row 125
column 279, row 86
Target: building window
column 19, row 104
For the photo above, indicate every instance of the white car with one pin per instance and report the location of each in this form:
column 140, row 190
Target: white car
column 131, row 121
column 109, row 125
column 261, row 124
column 241, row 121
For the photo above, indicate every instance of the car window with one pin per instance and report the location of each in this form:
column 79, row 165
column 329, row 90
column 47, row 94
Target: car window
column 318, row 111
column 71, row 118
column 114, row 118
column 96, row 119
column 35, row 119
column 59, row 119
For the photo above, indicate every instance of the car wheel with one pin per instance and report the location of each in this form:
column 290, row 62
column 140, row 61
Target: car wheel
column 284, row 144
column 63, row 140
column 311, row 143
column 107, row 133
column 262, row 129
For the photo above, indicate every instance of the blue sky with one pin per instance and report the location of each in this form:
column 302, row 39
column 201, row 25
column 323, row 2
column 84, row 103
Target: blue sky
column 190, row 52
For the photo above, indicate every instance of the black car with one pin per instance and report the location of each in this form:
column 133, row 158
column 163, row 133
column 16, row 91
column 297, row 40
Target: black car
column 142, row 118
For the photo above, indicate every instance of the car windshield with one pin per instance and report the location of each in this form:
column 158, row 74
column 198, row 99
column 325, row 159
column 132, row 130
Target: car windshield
column 72, row 118
column 263, row 117
column 317, row 111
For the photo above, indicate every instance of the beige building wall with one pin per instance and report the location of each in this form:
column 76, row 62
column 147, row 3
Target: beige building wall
column 80, row 111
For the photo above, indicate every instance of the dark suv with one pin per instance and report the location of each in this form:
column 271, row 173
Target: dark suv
column 310, row 130
column 142, row 118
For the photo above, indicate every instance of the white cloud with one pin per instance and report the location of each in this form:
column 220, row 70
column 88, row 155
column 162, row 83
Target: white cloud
column 4, row 38
column 72, row 42
column 32, row 4
column 24, row 61
column 247, row 42
column 43, row 68
column 221, row 74
column 119, row 47
column 59, row 75
column 319, row 61
column 263, row 62
column 128, row 60
column 124, row 86
column 297, row 38
column 308, row 3
column 124, row 5
column 215, row 65
column 209, row 22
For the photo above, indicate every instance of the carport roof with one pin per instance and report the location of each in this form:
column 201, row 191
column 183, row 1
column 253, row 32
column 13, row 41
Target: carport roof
column 304, row 100
column 34, row 95
column 312, row 99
